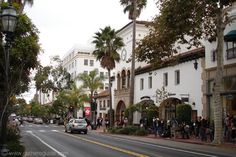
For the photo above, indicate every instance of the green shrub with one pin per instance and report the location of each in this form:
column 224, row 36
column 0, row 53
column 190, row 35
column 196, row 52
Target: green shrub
column 184, row 112
column 129, row 130
column 141, row 132
column 15, row 149
column 13, row 132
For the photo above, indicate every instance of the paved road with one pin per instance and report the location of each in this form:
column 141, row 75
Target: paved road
column 52, row 141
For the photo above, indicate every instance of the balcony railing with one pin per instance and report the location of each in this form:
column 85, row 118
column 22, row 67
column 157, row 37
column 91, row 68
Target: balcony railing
column 124, row 91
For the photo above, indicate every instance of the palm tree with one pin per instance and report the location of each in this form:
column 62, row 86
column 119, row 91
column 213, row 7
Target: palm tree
column 74, row 97
column 107, row 43
column 129, row 5
column 134, row 7
column 93, row 82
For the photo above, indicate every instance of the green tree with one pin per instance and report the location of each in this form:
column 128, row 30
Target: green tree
column 23, row 58
column 52, row 78
column 184, row 113
column 75, row 97
column 36, row 109
column 21, row 107
column 92, row 81
column 197, row 20
column 134, row 8
column 107, row 44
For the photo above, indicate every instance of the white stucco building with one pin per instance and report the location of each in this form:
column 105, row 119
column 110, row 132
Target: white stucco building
column 81, row 60
column 182, row 81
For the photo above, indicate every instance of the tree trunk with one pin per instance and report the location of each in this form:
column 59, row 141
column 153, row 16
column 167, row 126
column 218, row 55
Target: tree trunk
column 217, row 88
column 111, row 112
column 133, row 62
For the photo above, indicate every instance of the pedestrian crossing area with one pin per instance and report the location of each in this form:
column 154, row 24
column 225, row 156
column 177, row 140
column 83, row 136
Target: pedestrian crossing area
column 34, row 125
column 29, row 128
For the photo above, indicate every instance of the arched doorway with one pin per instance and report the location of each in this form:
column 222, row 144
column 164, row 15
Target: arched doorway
column 167, row 109
column 120, row 109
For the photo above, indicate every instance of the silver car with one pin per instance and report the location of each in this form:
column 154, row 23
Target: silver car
column 76, row 125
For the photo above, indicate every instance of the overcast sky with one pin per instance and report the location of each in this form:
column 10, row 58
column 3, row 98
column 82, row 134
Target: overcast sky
column 65, row 23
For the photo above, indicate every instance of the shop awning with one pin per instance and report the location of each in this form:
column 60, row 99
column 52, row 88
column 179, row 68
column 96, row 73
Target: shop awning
column 231, row 36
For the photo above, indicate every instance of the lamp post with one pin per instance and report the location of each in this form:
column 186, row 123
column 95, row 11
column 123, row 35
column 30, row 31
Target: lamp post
column 9, row 18
column 95, row 95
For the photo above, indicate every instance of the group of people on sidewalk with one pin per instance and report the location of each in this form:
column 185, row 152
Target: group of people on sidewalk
column 230, row 128
column 201, row 128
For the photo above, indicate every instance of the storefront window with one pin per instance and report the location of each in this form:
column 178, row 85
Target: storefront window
column 230, row 83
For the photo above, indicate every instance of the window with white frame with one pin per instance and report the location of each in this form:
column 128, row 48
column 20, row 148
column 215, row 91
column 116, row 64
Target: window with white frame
column 104, row 103
column 85, row 62
column 165, row 79
column 102, row 74
column 108, row 103
column 141, row 84
column 177, row 77
column 150, row 82
column 106, row 75
column 100, row 104
column 106, row 85
column 91, row 62
column 213, row 55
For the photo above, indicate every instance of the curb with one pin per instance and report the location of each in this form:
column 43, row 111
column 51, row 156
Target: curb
column 223, row 145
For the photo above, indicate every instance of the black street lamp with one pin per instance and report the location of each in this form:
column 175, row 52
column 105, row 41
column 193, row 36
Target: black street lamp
column 9, row 19
column 95, row 95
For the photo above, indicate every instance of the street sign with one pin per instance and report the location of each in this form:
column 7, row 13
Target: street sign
column 87, row 111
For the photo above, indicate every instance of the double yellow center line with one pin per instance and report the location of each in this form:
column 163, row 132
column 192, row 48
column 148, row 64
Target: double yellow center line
column 108, row 146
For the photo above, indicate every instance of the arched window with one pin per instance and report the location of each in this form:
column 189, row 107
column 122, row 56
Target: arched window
column 118, row 81
column 128, row 79
column 123, row 79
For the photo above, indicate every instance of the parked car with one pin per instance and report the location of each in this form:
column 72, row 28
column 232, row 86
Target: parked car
column 76, row 125
column 38, row 121
column 30, row 120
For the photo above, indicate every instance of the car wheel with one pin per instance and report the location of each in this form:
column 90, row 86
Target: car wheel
column 85, row 132
column 70, row 130
column 65, row 129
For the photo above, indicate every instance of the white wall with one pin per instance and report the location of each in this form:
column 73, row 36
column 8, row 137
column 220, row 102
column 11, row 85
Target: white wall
column 74, row 63
column 190, row 83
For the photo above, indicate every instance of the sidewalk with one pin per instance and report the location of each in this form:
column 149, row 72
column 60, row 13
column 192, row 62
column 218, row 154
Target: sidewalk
column 191, row 140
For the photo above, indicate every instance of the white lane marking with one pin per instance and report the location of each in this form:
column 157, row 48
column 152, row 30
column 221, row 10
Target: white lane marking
column 42, row 131
column 54, row 130
column 59, row 153
column 29, row 131
column 164, row 147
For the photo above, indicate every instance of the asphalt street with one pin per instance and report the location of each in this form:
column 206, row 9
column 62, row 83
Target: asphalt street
column 52, row 141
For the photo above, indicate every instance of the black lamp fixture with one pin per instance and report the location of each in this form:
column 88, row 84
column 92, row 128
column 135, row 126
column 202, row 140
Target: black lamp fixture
column 9, row 19
column 195, row 64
